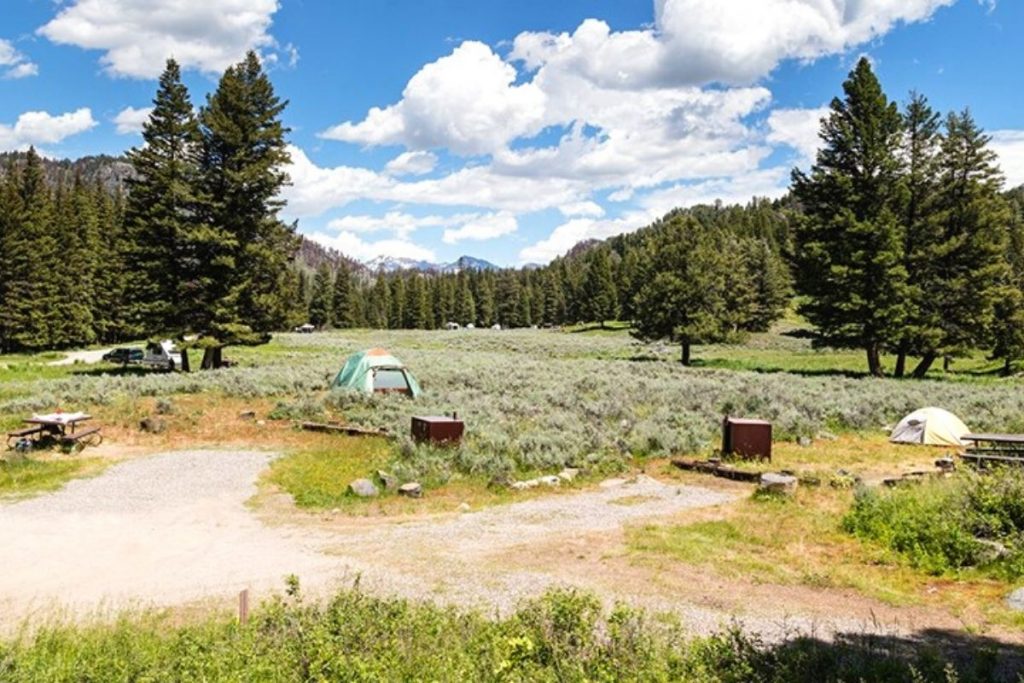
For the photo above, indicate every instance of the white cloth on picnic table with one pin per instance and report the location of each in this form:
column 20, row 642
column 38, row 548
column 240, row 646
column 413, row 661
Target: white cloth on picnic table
column 61, row 418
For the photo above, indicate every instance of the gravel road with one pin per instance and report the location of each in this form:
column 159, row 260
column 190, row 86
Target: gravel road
column 174, row 528
column 73, row 357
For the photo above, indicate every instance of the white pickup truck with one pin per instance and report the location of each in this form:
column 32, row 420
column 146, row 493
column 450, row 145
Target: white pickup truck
column 162, row 355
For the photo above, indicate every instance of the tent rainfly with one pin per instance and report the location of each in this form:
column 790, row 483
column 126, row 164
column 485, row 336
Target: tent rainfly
column 376, row 370
column 932, row 426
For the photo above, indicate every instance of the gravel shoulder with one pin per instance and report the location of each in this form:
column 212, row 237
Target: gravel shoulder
column 89, row 357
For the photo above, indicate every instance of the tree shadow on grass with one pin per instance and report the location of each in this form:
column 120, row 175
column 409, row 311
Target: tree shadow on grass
column 868, row 657
column 116, row 371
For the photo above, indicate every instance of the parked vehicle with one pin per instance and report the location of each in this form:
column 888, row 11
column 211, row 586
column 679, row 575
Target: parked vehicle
column 305, row 329
column 162, row 355
column 124, row 356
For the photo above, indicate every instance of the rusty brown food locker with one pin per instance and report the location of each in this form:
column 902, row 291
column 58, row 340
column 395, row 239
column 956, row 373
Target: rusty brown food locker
column 747, row 438
column 438, row 429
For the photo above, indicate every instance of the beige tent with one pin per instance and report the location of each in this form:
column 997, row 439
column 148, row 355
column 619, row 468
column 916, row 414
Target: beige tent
column 932, row 426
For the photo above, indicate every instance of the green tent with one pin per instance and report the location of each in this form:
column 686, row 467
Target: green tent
column 376, row 370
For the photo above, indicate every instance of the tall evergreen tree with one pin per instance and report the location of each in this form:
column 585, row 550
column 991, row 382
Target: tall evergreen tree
column 465, row 305
column 343, row 301
column 241, row 239
column 850, row 243
column 320, row 304
column 921, row 238
column 163, row 209
column 972, row 219
column 600, row 297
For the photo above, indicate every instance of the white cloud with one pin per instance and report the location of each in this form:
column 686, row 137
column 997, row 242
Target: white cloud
column 129, row 120
column 587, row 208
column 137, row 36
column 13, row 64
column 482, row 228
column 797, row 128
column 466, row 102
column 43, row 128
column 1009, row 145
column 412, row 163
column 354, row 246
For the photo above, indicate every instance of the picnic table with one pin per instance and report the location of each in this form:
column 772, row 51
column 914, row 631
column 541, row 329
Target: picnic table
column 994, row 448
column 61, row 426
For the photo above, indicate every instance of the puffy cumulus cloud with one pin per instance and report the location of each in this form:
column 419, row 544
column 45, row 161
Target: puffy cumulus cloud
column 694, row 42
column 400, row 223
column 412, row 163
column 1009, row 146
column 587, row 208
column 467, row 102
column 43, row 128
column 797, row 128
column 315, row 189
column 574, row 231
column 354, row 246
column 129, row 120
column 13, row 64
column 137, row 36
column 482, row 228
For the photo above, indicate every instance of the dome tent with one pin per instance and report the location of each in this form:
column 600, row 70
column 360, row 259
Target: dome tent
column 376, row 370
column 932, row 426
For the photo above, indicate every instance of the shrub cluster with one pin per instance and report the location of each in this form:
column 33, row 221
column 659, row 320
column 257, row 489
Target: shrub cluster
column 973, row 520
column 563, row 636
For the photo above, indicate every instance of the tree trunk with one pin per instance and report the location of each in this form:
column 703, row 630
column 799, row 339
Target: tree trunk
column 946, row 362
column 212, row 358
column 1007, row 367
column 685, row 353
column 901, row 360
column 185, row 367
column 874, row 360
column 924, row 366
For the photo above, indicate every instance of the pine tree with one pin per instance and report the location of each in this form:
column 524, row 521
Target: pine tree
column 110, row 283
column 507, row 297
column 769, row 281
column 241, row 240
column 849, row 246
column 920, row 154
column 163, row 211
column 320, row 303
column 686, row 300
column 465, row 305
column 972, row 218
column 600, row 297
column 397, row 313
column 343, row 301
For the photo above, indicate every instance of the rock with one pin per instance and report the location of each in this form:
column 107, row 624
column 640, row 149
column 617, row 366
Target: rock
column 364, row 488
column 568, row 474
column 991, row 551
column 805, row 441
column 261, row 423
column 464, row 507
column 388, row 480
column 412, row 489
column 247, row 415
column 526, row 484
column 153, row 425
column 1015, row 600
column 946, row 464
column 784, row 484
column 550, row 480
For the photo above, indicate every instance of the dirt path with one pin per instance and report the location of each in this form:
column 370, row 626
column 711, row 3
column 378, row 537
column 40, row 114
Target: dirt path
column 173, row 529
column 88, row 357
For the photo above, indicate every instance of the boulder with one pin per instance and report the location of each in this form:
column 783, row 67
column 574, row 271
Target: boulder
column 991, row 551
column 550, row 480
column 412, row 489
column 775, row 483
column 247, row 415
column 1015, row 600
column 805, row 441
column 568, row 474
column 387, row 480
column 364, row 488
column 153, row 425
column 526, row 484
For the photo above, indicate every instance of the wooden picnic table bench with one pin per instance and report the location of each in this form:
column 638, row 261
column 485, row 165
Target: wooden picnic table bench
column 994, row 449
column 91, row 436
column 19, row 434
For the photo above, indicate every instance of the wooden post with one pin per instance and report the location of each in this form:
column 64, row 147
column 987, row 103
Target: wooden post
column 243, row 607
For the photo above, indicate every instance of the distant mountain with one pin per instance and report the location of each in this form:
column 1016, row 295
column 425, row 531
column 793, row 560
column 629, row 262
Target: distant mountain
column 391, row 264
column 110, row 172
column 312, row 254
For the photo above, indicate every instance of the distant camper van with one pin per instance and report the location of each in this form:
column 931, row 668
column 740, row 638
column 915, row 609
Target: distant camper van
column 162, row 355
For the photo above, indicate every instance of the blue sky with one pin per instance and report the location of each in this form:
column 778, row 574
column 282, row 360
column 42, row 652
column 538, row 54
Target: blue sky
column 509, row 131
